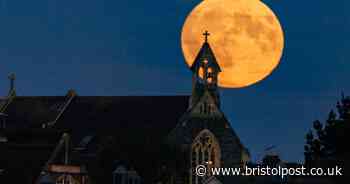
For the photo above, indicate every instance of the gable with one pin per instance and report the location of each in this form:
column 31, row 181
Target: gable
column 196, row 120
column 205, row 52
column 206, row 107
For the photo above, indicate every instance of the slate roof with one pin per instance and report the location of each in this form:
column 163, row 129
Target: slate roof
column 93, row 113
column 138, row 124
column 25, row 153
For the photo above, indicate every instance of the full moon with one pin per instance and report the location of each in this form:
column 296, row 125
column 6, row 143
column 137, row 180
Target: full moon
column 245, row 35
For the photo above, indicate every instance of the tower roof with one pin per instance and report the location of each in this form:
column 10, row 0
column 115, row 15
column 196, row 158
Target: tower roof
column 205, row 53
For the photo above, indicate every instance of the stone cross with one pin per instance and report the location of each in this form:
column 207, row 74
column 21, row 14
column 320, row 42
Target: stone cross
column 206, row 34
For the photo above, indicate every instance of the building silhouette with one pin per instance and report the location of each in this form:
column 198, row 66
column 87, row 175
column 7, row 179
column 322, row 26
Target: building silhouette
column 120, row 139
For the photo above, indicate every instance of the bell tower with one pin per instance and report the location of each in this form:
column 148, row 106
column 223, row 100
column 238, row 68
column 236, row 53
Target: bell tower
column 205, row 70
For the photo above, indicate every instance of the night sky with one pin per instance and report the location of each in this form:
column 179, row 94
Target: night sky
column 109, row 47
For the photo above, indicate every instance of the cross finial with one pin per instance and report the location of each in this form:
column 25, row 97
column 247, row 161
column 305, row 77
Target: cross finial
column 206, row 34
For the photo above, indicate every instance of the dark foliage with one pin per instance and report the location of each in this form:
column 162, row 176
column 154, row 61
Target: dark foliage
column 326, row 143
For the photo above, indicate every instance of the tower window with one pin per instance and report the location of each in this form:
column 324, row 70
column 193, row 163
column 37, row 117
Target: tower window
column 201, row 72
column 210, row 75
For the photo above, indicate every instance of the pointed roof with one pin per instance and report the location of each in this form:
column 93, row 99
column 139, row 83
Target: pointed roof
column 100, row 116
column 205, row 52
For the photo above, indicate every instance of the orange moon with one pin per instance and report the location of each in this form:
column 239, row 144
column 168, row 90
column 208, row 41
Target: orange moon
column 245, row 35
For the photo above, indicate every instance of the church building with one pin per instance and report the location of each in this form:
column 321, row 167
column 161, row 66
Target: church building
column 120, row 139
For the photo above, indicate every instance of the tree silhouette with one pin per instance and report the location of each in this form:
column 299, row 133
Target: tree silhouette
column 326, row 143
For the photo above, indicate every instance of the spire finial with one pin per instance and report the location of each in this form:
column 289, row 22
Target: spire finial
column 206, row 34
column 12, row 78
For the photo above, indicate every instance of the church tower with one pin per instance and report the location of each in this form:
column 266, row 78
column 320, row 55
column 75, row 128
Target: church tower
column 203, row 132
column 205, row 70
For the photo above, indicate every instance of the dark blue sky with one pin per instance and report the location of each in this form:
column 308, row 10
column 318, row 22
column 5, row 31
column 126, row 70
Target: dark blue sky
column 108, row 47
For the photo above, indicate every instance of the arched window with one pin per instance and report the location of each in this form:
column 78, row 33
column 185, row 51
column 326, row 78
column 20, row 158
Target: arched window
column 205, row 151
column 66, row 179
column 206, row 108
column 210, row 75
column 123, row 176
column 120, row 175
column 201, row 73
column 134, row 177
